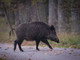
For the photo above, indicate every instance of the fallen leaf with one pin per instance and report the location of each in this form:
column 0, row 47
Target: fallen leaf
column 29, row 59
column 5, row 56
column 7, row 48
column 6, row 52
column 71, row 50
column 70, row 53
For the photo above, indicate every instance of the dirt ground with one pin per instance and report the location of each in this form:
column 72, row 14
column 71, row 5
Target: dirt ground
column 30, row 53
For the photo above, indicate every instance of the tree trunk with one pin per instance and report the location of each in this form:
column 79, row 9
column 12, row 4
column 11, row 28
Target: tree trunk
column 27, row 11
column 7, row 16
column 21, row 14
column 53, row 16
column 63, row 17
column 11, row 16
column 34, row 12
column 75, row 12
column 66, row 23
column 42, row 10
column 17, row 22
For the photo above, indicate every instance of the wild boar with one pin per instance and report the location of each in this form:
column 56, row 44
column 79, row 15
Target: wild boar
column 35, row 31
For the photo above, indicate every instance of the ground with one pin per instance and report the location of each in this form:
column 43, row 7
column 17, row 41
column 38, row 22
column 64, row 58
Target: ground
column 30, row 53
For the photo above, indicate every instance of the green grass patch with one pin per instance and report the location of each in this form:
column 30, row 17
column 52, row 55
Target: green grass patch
column 68, row 41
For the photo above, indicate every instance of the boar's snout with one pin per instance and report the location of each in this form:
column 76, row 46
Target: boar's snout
column 56, row 40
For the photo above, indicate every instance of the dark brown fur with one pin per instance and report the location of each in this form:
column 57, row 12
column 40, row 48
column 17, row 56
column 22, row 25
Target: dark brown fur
column 37, row 31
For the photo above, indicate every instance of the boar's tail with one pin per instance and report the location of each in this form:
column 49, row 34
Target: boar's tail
column 11, row 32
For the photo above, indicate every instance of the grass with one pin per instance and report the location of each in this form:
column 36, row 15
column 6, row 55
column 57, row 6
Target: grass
column 67, row 40
column 3, row 30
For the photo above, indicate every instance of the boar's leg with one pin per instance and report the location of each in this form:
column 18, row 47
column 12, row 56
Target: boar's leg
column 15, row 43
column 19, row 44
column 46, row 42
column 37, row 44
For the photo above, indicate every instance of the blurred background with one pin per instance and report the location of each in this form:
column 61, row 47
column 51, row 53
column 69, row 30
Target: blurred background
column 63, row 14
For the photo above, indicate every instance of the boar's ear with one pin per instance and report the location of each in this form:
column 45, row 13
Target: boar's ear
column 52, row 27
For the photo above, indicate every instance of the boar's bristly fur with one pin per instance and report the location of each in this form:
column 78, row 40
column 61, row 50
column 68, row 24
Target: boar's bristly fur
column 37, row 31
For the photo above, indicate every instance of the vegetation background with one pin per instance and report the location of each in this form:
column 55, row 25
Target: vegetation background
column 63, row 14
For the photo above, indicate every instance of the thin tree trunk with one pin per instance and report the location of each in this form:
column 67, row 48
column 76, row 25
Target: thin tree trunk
column 7, row 16
column 21, row 8
column 34, row 13
column 53, row 16
column 42, row 11
column 75, row 12
column 11, row 16
column 60, row 16
column 63, row 17
column 27, row 11
column 17, row 22
column 66, row 22
column 23, row 12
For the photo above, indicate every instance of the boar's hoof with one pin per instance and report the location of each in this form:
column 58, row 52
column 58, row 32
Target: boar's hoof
column 37, row 49
column 51, row 49
column 21, row 50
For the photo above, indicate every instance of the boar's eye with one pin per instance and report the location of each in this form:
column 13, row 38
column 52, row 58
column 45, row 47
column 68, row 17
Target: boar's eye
column 52, row 28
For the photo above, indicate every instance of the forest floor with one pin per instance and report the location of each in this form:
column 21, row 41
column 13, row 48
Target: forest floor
column 30, row 53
